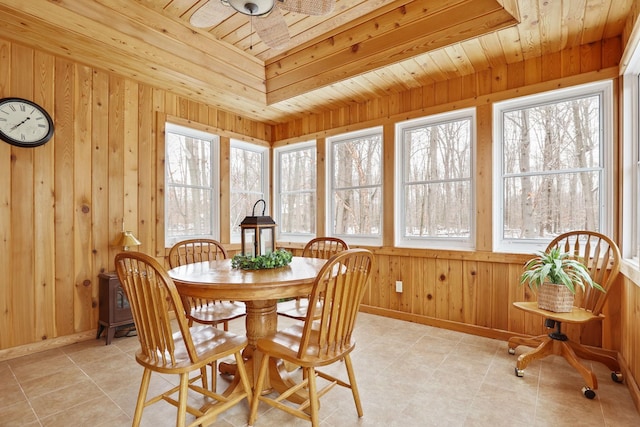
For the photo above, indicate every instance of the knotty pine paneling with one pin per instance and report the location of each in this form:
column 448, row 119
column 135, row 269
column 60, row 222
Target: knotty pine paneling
column 630, row 334
column 463, row 293
column 63, row 203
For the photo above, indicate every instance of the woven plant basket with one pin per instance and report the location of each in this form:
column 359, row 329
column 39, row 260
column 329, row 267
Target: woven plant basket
column 556, row 298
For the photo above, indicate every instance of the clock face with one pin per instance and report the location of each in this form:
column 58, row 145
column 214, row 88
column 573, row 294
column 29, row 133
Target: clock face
column 24, row 123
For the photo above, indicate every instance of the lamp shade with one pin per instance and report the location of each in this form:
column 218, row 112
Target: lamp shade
column 126, row 239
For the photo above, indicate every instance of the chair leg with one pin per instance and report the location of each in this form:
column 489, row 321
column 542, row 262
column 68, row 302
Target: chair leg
column 585, row 353
column 257, row 392
column 182, row 400
column 244, row 378
column 313, row 397
column 203, row 376
column 544, row 349
column 570, row 356
column 142, row 397
column 515, row 342
column 354, row 386
column 214, row 375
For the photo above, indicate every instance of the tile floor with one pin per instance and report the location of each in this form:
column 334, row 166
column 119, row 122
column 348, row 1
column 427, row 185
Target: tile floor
column 408, row 374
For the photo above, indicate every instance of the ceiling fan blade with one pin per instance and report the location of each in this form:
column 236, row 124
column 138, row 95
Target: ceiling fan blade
column 210, row 14
column 308, row 7
column 272, row 29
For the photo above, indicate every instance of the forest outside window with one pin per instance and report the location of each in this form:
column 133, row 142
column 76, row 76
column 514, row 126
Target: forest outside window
column 355, row 187
column 191, row 178
column 249, row 175
column 553, row 163
column 434, row 181
column 295, row 178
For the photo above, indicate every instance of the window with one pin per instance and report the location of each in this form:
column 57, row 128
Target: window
column 295, row 178
column 249, row 169
column 191, row 178
column 434, row 181
column 355, row 187
column 553, row 168
column 630, row 187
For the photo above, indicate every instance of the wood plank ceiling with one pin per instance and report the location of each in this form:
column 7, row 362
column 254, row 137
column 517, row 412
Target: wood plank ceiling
column 363, row 49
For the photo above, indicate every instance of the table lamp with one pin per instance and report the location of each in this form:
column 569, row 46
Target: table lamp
column 126, row 239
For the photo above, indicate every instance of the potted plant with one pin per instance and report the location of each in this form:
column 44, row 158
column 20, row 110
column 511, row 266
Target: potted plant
column 554, row 276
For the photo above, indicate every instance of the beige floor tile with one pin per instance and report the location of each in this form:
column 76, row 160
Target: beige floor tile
column 408, row 375
column 18, row 415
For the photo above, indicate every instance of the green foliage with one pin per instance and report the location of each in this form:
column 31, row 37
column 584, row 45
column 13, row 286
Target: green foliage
column 556, row 267
column 275, row 259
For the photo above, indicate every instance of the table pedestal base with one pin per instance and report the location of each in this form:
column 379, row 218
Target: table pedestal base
column 261, row 321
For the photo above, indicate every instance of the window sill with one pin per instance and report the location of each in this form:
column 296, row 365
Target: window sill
column 631, row 270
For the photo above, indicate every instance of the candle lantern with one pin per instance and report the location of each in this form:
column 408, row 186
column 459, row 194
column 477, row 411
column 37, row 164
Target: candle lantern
column 258, row 235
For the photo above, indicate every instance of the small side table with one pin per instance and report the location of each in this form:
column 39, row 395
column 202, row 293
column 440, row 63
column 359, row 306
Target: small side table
column 113, row 310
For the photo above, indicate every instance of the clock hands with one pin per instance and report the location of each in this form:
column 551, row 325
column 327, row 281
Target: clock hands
column 16, row 126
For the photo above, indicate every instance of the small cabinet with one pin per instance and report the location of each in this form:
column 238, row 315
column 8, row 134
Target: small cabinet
column 114, row 310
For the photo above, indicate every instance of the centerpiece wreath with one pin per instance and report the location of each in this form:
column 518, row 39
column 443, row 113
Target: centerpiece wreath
column 276, row 259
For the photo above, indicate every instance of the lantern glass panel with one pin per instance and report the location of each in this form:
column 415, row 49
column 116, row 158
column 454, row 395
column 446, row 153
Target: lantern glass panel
column 267, row 242
column 248, row 241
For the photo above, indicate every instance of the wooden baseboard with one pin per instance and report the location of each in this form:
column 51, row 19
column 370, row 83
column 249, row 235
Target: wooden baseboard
column 630, row 381
column 24, row 350
column 482, row 331
column 439, row 323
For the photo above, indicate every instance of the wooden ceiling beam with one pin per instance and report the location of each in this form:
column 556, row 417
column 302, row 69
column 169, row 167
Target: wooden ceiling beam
column 156, row 47
column 399, row 34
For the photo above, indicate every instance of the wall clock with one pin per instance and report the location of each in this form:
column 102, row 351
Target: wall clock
column 24, row 123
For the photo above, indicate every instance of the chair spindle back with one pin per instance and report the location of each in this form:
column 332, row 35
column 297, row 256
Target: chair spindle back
column 152, row 294
column 324, row 247
column 340, row 284
column 600, row 255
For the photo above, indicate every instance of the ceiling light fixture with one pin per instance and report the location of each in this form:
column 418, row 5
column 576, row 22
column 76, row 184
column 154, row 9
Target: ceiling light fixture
column 251, row 7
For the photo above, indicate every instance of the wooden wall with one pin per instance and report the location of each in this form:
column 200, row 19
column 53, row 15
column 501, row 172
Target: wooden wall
column 62, row 204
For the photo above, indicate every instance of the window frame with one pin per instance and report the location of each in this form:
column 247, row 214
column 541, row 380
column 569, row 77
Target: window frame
column 353, row 239
column 630, row 185
column 602, row 88
column 264, row 151
column 214, row 186
column 430, row 242
column 278, row 152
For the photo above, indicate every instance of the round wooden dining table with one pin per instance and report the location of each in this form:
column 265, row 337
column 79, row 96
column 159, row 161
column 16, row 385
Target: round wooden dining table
column 260, row 290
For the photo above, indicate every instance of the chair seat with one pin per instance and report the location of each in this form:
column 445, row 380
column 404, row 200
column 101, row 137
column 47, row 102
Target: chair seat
column 208, row 342
column 218, row 312
column 285, row 345
column 297, row 308
column 576, row 315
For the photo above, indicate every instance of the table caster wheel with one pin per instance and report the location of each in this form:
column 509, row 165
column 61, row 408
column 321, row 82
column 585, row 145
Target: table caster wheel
column 511, row 350
column 588, row 393
column 616, row 377
column 519, row 372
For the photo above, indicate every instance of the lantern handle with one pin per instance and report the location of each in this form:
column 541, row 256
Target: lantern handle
column 264, row 207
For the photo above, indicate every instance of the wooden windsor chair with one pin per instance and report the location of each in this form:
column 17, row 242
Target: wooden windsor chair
column 152, row 295
column 319, row 342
